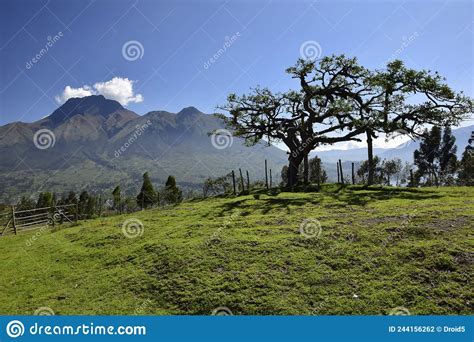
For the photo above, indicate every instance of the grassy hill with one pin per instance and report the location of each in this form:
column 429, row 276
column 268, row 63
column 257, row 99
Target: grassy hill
column 378, row 249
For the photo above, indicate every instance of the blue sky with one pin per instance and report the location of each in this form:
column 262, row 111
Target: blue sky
column 178, row 38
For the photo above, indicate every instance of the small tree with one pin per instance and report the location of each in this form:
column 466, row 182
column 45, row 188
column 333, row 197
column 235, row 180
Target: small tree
column 45, row 199
column 466, row 165
column 147, row 196
column 25, row 203
column 172, row 194
column 447, row 157
column 90, row 206
column 117, row 198
column 71, row 198
column 317, row 174
column 83, row 204
column 363, row 171
column 390, row 168
column 436, row 157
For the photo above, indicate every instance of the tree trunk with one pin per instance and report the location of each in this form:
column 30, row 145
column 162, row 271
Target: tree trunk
column 241, row 180
column 306, row 170
column 233, row 180
column 342, row 173
column 248, row 180
column 353, row 174
column 293, row 164
column 370, row 158
column 266, row 174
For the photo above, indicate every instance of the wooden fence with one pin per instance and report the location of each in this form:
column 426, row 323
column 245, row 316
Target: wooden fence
column 23, row 220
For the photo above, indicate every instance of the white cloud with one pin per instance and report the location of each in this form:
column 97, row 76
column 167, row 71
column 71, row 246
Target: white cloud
column 70, row 92
column 118, row 89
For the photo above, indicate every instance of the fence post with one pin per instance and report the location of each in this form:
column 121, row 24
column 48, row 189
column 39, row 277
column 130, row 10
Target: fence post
column 77, row 213
column 319, row 176
column 13, row 218
column 270, row 178
column 266, row 174
column 353, row 174
column 233, row 180
column 241, row 180
column 100, row 205
column 248, row 181
column 54, row 212
column 338, row 177
column 342, row 174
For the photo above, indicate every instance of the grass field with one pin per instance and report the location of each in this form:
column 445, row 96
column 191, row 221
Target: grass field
column 378, row 250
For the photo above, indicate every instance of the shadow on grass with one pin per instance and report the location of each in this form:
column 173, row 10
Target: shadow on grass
column 340, row 195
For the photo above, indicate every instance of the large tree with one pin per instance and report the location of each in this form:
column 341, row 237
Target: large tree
column 302, row 119
column 396, row 99
column 339, row 100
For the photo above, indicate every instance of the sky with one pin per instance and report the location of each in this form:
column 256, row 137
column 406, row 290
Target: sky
column 167, row 55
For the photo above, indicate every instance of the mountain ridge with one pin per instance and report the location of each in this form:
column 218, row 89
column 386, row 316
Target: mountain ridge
column 88, row 132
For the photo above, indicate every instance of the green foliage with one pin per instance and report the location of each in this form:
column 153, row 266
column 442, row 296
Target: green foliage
column 25, row 203
column 117, row 198
column 363, row 171
column 317, row 174
column 147, row 196
column 172, row 194
column 466, row 166
column 45, row 199
column 217, row 186
column 436, row 157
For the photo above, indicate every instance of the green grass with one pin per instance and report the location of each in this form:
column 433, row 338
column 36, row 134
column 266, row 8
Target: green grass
column 379, row 248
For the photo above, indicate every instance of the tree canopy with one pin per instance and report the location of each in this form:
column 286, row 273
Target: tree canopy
column 339, row 100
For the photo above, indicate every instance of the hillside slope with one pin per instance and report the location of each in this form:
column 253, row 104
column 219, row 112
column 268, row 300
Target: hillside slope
column 98, row 145
column 379, row 249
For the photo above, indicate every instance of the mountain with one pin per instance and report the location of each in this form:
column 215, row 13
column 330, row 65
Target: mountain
column 403, row 151
column 97, row 144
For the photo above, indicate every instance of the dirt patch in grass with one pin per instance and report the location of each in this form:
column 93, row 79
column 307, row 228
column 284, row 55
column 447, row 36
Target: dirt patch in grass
column 449, row 223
